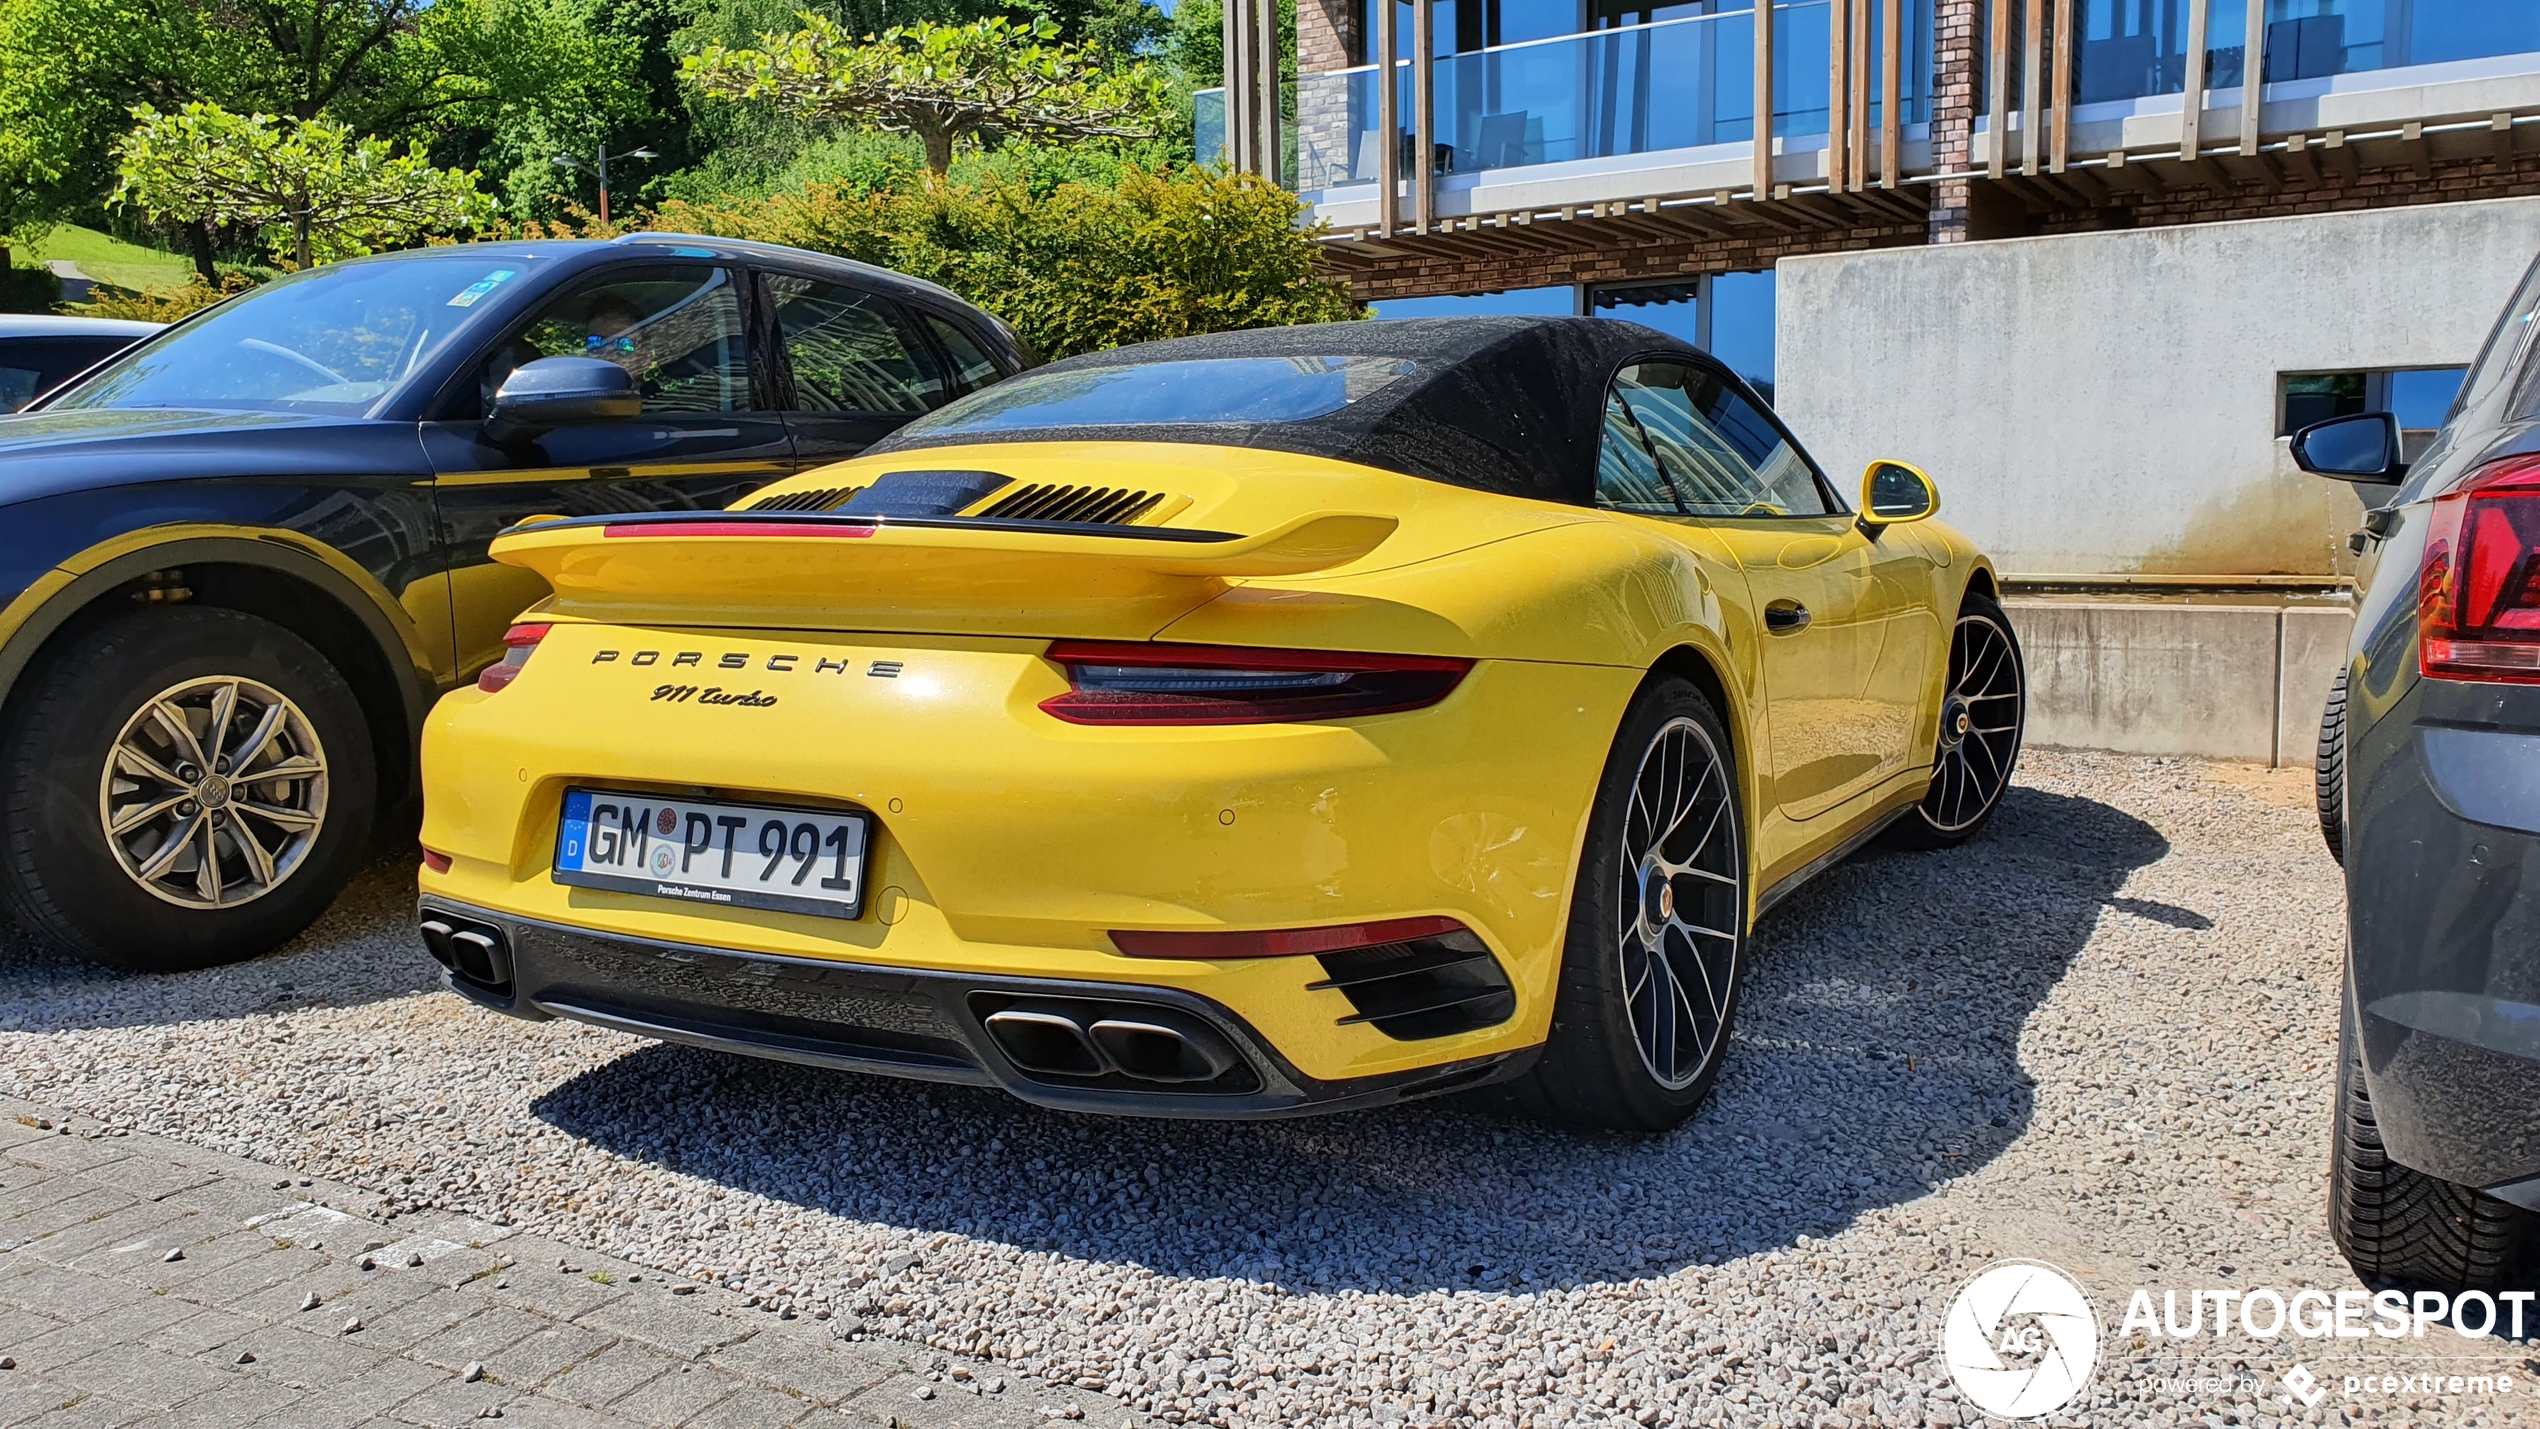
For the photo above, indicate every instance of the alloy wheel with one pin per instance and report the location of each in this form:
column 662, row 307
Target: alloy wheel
column 1980, row 719
column 214, row 792
column 1680, row 905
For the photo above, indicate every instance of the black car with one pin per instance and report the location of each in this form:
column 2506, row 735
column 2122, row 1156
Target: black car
column 239, row 562
column 2430, row 791
column 39, row 352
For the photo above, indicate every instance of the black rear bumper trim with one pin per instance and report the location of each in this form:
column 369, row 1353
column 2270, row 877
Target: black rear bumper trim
column 727, row 1000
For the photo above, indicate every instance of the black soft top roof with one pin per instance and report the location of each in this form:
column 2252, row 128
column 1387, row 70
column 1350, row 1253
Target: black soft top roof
column 1513, row 405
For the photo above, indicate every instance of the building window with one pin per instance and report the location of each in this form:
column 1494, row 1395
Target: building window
column 2418, row 396
column 1729, row 315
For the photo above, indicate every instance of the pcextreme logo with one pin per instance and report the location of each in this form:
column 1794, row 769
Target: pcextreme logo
column 2021, row 1339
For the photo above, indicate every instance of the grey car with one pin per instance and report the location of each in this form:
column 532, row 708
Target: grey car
column 2429, row 779
column 39, row 352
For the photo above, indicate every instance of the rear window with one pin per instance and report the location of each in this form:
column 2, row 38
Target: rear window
column 1200, row 392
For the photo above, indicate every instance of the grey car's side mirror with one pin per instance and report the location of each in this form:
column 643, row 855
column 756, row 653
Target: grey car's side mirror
column 2362, row 449
column 554, row 392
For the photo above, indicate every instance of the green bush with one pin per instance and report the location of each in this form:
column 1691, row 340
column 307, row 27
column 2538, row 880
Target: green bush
column 1076, row 267
column 28, row 290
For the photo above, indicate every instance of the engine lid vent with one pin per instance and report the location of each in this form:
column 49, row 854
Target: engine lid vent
column 1077, row 505
column 820, row 500
column 1428, row 987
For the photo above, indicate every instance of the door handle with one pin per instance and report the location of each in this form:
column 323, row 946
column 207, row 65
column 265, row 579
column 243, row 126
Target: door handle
column 1782, row 617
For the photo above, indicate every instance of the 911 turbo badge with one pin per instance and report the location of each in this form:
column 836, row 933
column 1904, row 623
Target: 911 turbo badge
column 711, row 695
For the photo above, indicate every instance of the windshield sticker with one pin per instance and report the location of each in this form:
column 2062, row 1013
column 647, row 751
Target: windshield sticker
column 468, row 296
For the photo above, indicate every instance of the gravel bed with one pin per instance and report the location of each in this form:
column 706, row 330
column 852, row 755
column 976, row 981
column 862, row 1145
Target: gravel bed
column 2100, row 1036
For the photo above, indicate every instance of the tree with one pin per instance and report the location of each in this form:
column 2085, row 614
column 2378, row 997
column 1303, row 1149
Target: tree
column 464, row 75
column 332, row 194
column 946, row 84
column 1079, row 267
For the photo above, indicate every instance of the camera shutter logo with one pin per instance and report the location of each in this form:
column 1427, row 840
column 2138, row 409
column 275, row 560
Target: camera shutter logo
column 2020, row 1340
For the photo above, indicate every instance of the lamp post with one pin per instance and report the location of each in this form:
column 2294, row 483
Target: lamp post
column 567, row 161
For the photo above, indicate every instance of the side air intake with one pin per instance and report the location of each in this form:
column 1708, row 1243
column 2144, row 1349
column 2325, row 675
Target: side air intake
column 820, row 500
column 1426, row 987
column 1077, row 505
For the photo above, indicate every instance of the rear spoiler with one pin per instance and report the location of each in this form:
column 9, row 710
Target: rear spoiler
column 819, row 569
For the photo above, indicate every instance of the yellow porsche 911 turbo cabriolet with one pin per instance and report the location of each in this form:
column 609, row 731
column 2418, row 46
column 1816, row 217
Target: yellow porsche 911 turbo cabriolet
column 1232, row 726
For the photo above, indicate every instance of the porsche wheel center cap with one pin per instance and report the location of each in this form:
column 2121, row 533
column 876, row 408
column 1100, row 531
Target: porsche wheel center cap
column 1657, row 902
column 1956, row 719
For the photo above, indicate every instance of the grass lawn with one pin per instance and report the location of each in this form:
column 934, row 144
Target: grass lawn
column 106, row 258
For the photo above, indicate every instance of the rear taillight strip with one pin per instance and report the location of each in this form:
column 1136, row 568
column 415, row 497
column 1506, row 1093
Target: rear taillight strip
column 1157, row 683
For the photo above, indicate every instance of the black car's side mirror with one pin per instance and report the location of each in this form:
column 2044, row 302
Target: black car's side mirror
column 557, row 392
column 2363, row 449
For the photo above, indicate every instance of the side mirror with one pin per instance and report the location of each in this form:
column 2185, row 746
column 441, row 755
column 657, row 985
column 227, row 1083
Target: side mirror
column 1893, row 492
column 554, row 392
column 2363, row 449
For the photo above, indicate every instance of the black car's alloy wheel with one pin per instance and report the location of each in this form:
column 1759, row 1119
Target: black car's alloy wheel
column 183, row 788
column 1983, row 712
column 214, row 793
column 1651, row 965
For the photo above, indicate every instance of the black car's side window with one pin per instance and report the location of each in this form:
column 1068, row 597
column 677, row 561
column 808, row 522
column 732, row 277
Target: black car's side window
column 853, row 351
column 972, row 368
column 1680, row 441
column 676, row 329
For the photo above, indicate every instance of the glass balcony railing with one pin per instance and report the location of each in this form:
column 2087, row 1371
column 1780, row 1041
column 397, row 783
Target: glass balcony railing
column 1208, row 125
column 1676, row 84
column 2128, row 49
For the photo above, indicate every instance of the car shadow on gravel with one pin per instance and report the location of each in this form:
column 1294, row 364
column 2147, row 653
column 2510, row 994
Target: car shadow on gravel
column 363, row 949
column 1875, row 1056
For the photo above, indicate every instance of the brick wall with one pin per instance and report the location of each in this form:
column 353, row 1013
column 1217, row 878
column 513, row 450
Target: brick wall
column 1326, row 35
column 1957, row 48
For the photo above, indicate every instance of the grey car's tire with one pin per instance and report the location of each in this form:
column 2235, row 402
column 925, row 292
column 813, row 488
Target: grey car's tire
column 1983, row 719
column 93, row 717
column 1655, row 949
column 2399, row 1225
column 2329, row 769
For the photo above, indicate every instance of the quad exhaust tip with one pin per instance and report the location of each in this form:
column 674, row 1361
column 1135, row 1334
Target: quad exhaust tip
column 1084, row 1040
column 477, row 952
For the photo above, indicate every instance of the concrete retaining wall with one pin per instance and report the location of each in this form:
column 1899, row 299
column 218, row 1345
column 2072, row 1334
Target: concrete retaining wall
column 2105, row 403
column 2222, row 681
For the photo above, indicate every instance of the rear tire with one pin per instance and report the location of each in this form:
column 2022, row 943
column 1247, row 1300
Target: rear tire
column 2329, row 770
column 1655, row 950
column 2399, row 1225
column 1983, row 718
column 108, row 816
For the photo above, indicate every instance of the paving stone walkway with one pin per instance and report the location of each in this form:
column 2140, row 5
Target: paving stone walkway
column 143, row 1280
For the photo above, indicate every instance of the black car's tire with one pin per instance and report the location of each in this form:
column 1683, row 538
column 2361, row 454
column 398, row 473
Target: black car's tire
column 109, row 695
column 2398, row 1225
column 1655, row 949
column 1983, row 716
column 2329, row 770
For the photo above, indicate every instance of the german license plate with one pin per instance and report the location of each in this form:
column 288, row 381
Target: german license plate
column 701, row 851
